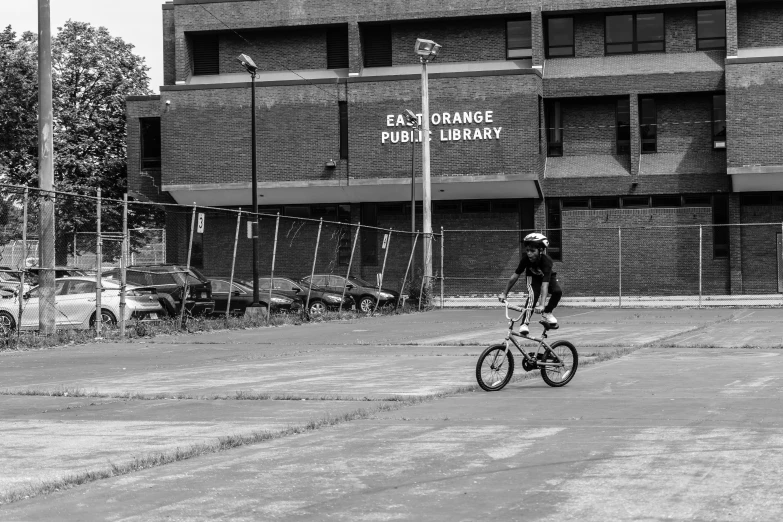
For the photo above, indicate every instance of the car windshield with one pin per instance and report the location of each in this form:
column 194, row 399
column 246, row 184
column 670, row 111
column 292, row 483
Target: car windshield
column 307, row 284
column 360, row 282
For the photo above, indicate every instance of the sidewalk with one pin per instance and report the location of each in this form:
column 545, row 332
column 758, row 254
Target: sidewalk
column 631, row 301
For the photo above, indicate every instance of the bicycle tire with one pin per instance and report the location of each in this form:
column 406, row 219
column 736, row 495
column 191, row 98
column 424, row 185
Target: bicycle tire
column 494, row 379
column 557, row 377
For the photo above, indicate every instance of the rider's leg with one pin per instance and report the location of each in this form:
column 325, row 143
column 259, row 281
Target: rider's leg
column 555, row 293
column 532, row 296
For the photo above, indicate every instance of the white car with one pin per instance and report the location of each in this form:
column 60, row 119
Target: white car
column 75, row 305
column 9, row 281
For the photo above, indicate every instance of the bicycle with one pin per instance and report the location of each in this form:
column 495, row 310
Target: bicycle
column 558, row 362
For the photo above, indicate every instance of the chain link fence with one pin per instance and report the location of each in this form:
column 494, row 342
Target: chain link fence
column 650, row 266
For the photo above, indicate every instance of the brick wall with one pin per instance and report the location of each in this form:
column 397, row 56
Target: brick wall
column 589, row 35
column 681, row 122
column 169, row 48
column 275, row 49
column 462, row 40
column 754, row 114
column 142, row 184
column 589, row 126
column 760, row 24
column 759, row 249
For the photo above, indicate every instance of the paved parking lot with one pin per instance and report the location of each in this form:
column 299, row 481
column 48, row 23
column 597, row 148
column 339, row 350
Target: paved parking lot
column 688, row 426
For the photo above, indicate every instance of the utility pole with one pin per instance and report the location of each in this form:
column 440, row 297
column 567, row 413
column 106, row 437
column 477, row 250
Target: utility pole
column 426, row 200
column 46, row 311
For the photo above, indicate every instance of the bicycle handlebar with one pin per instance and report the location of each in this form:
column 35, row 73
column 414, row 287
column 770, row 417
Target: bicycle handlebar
column 510, row 306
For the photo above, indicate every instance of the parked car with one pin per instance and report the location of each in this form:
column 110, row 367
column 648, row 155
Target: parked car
column 363, row 293
column 169, row 282
column 321, row 299
column 75, row 305
column 242, row 297
column 9, row 280
column 33, row 273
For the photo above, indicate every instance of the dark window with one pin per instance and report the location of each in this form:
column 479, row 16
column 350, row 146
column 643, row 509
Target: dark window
column 519, row 39
column 623, row 124
column 666, row 201
column 344, row 241
column 369, row 235
column 648, row 118
column 711, row 29
column 554, row 122
column 150, row 143
column 505, row 205
column 205, row 51
column 635, row 201
column 762, row 199
column 328, row 212
column 302, row 211
column 540, row 130
column 553, row 225
column 377, row 45
column 473, row 206
column 576, row 204
column 197, row 253
column 406, row 208
column 337, row 47
column 719, row 121
column 697, row 200
column 604, row 203
column 343, row 106
column 445, row 207
column 720, row 234
column 560, row 37
column 393, row 209
column 634, row 33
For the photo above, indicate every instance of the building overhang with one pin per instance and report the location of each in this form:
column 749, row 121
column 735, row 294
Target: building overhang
column 356, row 191
column 757, row 178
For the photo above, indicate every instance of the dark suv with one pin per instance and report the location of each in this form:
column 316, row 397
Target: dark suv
column 321, row 299
column 169, row 282
column 364, row 294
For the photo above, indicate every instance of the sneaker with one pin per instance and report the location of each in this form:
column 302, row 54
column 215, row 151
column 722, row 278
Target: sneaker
column 549, row 318
column 523, row 329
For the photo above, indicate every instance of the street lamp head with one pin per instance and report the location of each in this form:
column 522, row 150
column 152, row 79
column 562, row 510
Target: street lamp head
column 426, row 49
column 248, row 63
column 411, row 120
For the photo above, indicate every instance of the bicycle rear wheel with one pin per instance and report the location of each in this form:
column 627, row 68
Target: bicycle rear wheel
column 494, row 368
column 561, row 375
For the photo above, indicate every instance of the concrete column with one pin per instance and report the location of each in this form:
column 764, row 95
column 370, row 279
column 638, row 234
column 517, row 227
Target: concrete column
column 537, row 31
column 636, row 138
column 355, row 54
column 732, row 34
column 735, row 244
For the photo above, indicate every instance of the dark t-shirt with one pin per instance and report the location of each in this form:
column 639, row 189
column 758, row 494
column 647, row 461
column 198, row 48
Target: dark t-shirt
column 540, row 271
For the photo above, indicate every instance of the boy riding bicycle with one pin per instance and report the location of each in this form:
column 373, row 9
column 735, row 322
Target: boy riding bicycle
column 541, row 281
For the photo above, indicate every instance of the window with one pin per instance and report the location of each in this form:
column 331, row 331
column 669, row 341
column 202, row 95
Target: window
column 205, row 51
column 711, row 29
column 343, row 106
column 623, row 125
column 648, row 118
column 475, row 206
column 576, row 204
column 554, row 119
column 301, row 211
column 634, row 33
column 666, row 201
column 719, row 121
column 369, row 235
column 636, row 201
column 720, row 233
column 377, row 45
column 553, row 225
column 81, row 287
column 604, row 203
column 560, row 37
column 697, row 200
column 219, row 287
column 337, row 47
column 503, row 205
column 519, row 39
column 446, row 207
column 150, row 143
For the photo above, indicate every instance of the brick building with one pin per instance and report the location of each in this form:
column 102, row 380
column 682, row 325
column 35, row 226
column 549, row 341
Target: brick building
column 572, row 116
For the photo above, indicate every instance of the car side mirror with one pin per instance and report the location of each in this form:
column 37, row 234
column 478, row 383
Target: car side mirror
column 349, row 286
column 296, row 289
column 236, row 292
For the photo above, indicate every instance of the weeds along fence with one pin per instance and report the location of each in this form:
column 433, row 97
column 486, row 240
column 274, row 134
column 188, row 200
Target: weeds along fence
column 626, row 266
column 107, row 249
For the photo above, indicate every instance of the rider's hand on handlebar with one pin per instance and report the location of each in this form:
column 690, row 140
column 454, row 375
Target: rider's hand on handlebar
column 539, row 309
column 502, row 298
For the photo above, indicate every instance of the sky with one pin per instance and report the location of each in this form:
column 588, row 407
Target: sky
column 135, row 21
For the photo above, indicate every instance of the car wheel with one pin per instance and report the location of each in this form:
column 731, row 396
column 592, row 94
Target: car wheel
column 317, row 308
column 7, row 324
column 107, row 319
column 366, row 304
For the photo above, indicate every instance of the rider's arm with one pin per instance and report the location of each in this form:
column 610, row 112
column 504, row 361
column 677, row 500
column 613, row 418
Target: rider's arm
column 510, row 285
column 544, row 295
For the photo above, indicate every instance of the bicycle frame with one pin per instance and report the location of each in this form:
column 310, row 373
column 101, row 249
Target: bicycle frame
column 540, row 340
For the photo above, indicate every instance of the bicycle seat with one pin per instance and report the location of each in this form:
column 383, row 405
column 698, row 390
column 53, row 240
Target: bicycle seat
column 549, row 326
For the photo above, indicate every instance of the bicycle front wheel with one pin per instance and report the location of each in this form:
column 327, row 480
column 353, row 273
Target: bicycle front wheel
column 494, row 368
column 561, row 374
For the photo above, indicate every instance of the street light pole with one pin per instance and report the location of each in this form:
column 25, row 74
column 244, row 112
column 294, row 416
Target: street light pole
column 251, row 68
column 412, row 121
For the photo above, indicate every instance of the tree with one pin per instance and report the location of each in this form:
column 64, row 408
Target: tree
column 92, row 74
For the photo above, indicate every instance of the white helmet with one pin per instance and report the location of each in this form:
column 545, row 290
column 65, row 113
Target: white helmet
column 536, row 240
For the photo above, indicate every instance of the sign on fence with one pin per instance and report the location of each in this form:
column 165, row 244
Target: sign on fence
column 385, row 241
column 200, row 227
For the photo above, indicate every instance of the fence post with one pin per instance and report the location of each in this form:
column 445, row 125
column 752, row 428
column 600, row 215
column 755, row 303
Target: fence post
column 98, row 286
column 75, row 261
column 24, row 265
column 187, row 268
column 233, row 264
column 421, row 290
column 620, row 266
column 700, row 257
column 312, row 272
column 272, row 275
column 442, row 275
column 350, row 262
column 405, row 277
column 124, row 246
column 383, row 270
